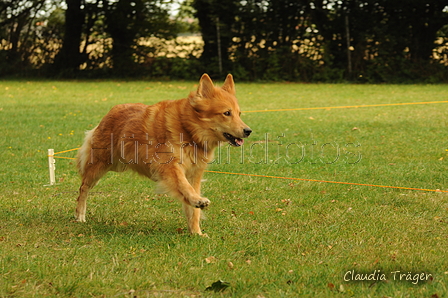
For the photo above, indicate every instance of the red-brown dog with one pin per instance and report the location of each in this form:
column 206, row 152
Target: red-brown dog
column 170, row 142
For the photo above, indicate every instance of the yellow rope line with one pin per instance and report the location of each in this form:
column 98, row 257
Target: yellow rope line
column 347, row 107
column 325, row 181
column 65, row 151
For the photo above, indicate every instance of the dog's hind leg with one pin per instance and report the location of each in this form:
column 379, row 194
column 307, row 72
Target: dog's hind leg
column 82, row 203
column 88, row 182
column 90, row 178
column 91, row 170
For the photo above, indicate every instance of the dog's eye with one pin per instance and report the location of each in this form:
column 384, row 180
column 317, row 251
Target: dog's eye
column 227, row 113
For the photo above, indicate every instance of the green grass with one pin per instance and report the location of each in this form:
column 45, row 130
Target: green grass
column 268, row 237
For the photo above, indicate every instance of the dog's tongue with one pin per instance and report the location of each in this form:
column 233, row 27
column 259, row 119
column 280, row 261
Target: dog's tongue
column 239, row 142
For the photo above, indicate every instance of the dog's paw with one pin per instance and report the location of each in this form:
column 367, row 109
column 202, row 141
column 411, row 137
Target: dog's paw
column 202, row 203
column 80, row 218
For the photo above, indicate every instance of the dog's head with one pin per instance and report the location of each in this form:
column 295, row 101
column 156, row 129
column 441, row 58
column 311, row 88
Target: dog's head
column 218, row 111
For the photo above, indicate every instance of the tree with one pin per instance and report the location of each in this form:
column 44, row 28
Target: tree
column 368, row 40
column 127, row 22
column 216, row 19
column 18, row 20
column 269, row 37
column 68, row 59
column 418, row 21
column 401, row 38
column 124, row 21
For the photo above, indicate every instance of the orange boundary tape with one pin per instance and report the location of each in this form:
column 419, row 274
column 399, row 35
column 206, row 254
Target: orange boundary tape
column 348, row 107
column 324, row 181
column 292, row 178
column 315, row 180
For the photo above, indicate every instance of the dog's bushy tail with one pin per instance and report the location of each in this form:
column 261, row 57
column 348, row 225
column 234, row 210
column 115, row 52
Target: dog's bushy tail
column 83, row 156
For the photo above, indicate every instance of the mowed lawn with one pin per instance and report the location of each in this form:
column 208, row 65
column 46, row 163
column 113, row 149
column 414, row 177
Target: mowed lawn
column 268, row 237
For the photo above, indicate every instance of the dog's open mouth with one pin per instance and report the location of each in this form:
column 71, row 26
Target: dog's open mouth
column 234, row 141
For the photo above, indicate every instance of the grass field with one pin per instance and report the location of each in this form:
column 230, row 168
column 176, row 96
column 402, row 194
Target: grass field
column 267, row 237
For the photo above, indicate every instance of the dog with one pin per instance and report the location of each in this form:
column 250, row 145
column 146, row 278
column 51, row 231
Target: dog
column 170, row 142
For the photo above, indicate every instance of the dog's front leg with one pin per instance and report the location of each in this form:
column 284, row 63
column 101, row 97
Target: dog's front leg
column 193, row 216
column 174, row 182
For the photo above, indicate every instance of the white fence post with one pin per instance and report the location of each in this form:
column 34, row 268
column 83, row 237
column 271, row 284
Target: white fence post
column 51, row 166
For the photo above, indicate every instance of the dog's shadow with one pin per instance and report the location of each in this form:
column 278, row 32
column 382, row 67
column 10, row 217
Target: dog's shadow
column 63, row 226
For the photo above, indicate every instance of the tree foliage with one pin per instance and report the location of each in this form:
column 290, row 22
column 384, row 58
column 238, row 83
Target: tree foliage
column 387, row 38
column 296, row 40
column 375, row 40
column 127, row 21
column 25, row 29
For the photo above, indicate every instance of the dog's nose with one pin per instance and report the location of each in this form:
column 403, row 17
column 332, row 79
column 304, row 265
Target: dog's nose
column 247, row 131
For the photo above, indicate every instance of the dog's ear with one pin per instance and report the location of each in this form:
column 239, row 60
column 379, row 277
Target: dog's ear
column 206, row 87
column 229, row 85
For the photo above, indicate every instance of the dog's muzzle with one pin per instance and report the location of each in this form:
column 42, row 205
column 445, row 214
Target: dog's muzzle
column 234, row 141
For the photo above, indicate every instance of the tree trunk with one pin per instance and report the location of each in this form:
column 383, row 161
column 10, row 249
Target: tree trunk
column 67, row 61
